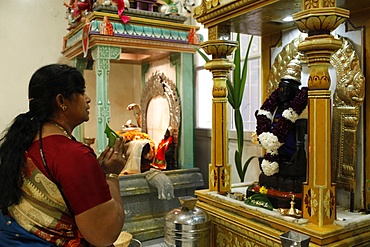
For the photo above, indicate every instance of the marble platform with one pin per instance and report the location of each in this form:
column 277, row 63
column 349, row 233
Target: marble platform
column 234, row 223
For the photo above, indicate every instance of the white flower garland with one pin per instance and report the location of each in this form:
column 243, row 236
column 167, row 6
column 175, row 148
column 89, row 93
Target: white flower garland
column 270, row 142
column 269, row 168
column 265, row 113
column 290, row 114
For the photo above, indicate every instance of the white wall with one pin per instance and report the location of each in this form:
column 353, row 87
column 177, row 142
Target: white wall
column 31, row 36
column 124, row 88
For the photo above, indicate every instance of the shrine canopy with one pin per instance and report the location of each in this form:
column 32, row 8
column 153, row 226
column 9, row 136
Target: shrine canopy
column 143, row 35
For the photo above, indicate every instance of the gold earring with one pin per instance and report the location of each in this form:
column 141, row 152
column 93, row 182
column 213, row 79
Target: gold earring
column 64, row 108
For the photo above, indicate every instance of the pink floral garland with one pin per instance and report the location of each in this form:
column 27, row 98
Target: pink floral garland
column 272, row 141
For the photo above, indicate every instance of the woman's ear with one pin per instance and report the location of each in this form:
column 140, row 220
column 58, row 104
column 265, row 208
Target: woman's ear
column 60, row 99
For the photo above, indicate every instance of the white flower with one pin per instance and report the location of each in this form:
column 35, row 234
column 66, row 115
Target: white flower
column 269, row 168
column 269, row 141
column 290, row 114
column 266, row 113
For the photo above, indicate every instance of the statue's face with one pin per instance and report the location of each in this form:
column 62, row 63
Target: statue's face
column 287, row 91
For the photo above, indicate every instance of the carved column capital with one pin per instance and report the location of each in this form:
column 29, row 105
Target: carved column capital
column 219, row 65
column 318, row 19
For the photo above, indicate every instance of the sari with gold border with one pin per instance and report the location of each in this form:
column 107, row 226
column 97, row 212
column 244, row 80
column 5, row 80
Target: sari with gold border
column 42, row 210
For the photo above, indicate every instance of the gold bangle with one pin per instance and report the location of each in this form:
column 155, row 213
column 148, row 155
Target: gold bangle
column 111, row 175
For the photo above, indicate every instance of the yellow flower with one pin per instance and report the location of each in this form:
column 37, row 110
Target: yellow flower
column 254, row 138
column 135, row 135
column 263, row 190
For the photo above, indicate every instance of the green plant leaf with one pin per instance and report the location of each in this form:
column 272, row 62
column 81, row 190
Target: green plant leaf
column 238, row 165
column 236, row 74
column 230, row 93
column 245, row 70
column 235, row 94
column 247, row 163
column 202, row 54
column 111, row 135
column 259, row 200
column 239, row 129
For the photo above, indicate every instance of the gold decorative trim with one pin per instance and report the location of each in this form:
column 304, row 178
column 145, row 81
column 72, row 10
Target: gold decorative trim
column 214, row 10
column 213, row 177
column 231, row 234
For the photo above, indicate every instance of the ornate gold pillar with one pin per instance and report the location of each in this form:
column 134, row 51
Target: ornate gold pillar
column 219, row 169
column 318, row 19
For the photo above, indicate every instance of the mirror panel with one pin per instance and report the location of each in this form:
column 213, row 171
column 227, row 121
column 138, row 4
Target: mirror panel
column 158, row 118
column 159, row 90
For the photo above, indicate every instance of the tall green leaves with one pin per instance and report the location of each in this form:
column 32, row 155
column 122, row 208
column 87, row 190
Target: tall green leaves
column 235, row 97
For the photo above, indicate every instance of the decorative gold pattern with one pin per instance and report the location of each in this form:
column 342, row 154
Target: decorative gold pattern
column 318, row 20
column 329, row 203
column 310, row 202
column 219, row 48
column 319, row 80
column 347, row 99
column 212, row 33
column 208, row 7
column 225, row 177
column 213, row 178
column 351, row 81
column 232, row 235
column 56, row 199
column 313, row 4
column 219, row 91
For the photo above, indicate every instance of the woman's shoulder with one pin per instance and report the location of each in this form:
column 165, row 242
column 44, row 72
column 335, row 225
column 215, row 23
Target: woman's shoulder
column 62, row 146
column 63, row 142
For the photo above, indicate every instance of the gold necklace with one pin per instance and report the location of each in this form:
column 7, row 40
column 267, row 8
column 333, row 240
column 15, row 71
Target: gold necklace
column 62, row 129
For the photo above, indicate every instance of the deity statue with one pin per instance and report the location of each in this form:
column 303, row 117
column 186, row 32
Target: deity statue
column 164, row 158
column 281, row 130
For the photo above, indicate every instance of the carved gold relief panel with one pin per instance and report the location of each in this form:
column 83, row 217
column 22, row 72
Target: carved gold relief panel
column 231, row 235
column 347, row 100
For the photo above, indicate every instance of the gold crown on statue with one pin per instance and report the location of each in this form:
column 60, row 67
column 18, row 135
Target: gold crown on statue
column 293, row 70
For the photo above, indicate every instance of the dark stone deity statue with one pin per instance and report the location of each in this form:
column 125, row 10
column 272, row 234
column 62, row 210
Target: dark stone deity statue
column 281, row 130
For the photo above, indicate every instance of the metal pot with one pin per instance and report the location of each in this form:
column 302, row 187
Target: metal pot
column 294, row 239
column 187, row 226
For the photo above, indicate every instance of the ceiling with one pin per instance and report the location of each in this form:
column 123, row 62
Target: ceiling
column 268, row 19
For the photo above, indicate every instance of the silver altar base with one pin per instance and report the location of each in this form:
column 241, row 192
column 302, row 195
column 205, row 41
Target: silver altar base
column 144, row 212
